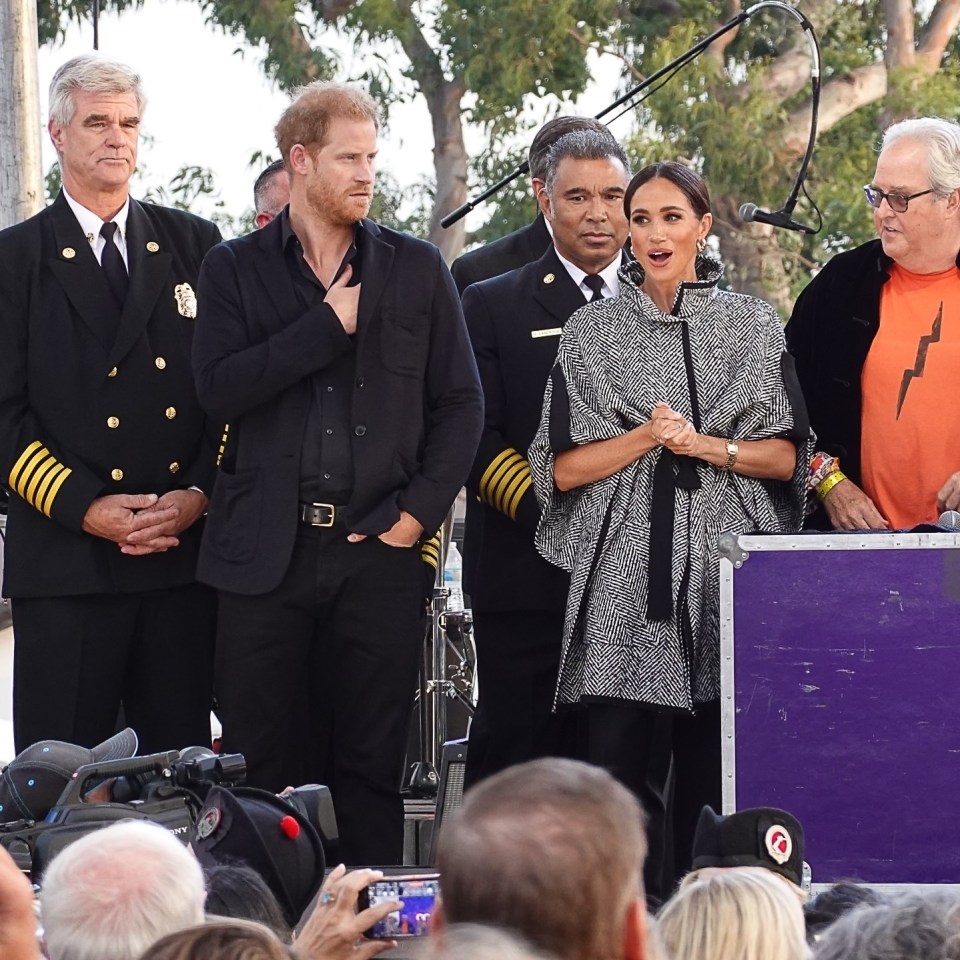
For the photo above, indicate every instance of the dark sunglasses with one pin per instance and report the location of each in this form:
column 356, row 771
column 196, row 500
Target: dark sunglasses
column 898, row 201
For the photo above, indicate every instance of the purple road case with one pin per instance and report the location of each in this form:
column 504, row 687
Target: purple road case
column 840, row 665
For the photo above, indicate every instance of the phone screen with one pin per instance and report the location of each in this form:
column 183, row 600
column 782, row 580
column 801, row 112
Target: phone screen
column 413, row 919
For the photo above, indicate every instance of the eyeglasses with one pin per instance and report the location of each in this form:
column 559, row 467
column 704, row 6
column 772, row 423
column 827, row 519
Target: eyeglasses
column 898, row 201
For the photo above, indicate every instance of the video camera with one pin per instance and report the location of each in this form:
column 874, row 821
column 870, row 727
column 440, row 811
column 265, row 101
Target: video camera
column 166, row 788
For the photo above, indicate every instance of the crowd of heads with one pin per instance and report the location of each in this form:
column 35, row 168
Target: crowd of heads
column 543, row 860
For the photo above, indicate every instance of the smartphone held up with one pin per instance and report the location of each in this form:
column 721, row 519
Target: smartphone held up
column 416, row 891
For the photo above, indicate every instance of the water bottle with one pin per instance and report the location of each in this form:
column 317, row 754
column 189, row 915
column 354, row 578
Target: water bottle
column 453, row 577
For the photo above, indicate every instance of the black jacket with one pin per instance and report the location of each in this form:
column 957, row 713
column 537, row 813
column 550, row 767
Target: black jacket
column 416, row 410
column 88, row 408
column 829, row 334
column 515, row 250
column 514, row 322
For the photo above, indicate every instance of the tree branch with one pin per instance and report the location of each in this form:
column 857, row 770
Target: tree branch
column 898, row 16
column 937, row 32
column 838, row 99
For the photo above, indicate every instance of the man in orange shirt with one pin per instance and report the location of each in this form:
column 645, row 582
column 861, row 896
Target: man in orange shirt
column 876, row 337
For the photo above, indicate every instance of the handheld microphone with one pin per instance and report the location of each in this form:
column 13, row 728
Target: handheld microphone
column 949, row 520
column 751, row 213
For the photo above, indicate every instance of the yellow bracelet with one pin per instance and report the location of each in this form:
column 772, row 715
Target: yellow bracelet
column 831, row 480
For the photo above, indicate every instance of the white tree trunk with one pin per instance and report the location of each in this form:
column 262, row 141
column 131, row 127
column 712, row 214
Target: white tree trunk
column 21, row 177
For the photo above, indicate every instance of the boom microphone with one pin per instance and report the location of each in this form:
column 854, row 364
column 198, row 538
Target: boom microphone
column 751, row 213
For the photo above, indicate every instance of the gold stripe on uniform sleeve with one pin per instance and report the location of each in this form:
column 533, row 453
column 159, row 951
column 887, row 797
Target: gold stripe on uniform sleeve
column 519, row 487
column 37, row 476
column 430, row 551
column 498, row 466
column 25, row 463
column 505, row 481
column 57, row 478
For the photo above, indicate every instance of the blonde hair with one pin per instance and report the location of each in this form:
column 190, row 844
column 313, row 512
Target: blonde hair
column 224, row 940
column 742, row 913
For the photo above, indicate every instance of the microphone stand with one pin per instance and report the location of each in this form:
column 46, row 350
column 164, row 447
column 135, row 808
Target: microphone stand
column 682, row 60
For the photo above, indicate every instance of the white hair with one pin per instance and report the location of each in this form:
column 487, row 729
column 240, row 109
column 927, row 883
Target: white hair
column 116, row 891
column 941, row 138
column 93, row 74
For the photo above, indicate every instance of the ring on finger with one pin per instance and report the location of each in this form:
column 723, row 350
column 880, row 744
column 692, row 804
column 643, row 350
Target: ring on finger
column 328, row 896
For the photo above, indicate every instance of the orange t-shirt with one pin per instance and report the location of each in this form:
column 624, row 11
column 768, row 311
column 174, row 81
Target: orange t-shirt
column 911, row 396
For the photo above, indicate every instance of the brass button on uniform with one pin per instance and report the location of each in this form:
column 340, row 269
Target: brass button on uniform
column 161, row 363
column 113, row 372
column 171, row 412
column 174, row 467
column 117, row 474
column 113, row 422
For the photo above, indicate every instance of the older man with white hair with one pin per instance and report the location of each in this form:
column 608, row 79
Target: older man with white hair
column 103, row 446
column 116, row 891
column 876, row 338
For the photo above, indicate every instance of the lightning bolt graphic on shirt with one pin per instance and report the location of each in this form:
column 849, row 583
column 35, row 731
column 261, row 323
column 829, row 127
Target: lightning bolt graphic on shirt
column 921, row 361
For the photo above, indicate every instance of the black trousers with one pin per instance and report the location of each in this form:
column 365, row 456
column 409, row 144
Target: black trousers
column 76, row 659
column 641, row 747
column 518, row 655
column 315, row 681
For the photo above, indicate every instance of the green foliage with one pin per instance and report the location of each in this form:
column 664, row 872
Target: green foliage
column 194, row 188
column 512, row 206
column 54, row 16
column 52, row 182
column 291, row 57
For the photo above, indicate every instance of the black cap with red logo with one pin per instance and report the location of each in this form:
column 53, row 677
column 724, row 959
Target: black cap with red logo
column 759, row 837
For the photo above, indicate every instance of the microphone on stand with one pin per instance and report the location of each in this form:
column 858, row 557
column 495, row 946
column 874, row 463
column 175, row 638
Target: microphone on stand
column 751, row 213
column 949, row 521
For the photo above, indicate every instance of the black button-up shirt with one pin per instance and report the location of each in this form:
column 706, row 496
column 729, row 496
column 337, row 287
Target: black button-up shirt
column 326, row 458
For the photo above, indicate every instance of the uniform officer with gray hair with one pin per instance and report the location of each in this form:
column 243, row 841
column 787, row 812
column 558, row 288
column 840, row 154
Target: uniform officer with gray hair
column 103, row 445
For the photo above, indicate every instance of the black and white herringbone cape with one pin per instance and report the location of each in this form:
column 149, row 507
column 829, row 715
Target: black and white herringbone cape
column 619, row 357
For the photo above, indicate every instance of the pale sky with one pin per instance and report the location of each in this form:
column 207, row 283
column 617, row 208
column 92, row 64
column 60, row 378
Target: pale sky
column 212, row 107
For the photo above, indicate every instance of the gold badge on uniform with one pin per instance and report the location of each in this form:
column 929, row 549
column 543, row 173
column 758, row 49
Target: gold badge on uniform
column 152, row 246
column 68, row 253
column 186, row 300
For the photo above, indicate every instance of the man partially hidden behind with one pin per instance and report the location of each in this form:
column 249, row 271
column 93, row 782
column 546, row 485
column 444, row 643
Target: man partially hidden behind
column 103, row 444
column 336, row 349
column 515, row 322
column 271, row 192
column 529, row 243
column 875, row 337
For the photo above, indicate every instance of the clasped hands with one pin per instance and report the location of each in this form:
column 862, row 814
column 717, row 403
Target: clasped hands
column 144, row 523
column 674, row 431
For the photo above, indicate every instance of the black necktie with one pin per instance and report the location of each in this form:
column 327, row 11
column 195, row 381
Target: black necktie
column 595, row 282
column 113, row 266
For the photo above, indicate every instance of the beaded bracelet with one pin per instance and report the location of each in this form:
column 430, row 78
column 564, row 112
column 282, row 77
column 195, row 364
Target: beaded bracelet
column 829, row 483
column 821, row 466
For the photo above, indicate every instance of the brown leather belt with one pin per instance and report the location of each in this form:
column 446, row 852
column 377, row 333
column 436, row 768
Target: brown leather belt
column 318, row 514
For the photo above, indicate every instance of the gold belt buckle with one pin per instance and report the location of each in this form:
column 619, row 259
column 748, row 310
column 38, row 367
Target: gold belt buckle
column 333, row 515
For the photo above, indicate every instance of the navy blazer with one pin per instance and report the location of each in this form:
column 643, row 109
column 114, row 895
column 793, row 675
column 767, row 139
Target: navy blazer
column 508, row 253
column 95, row 401
column 515, row 321
column 416, row 409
